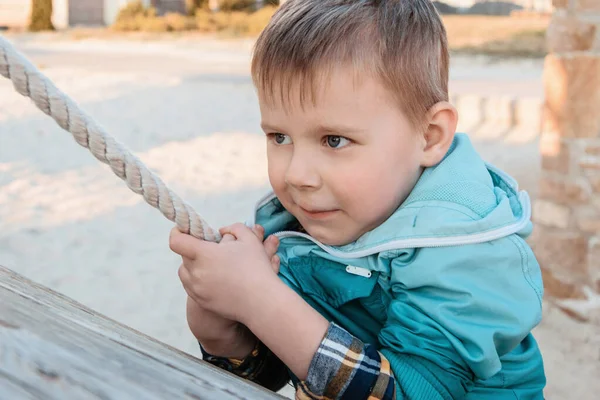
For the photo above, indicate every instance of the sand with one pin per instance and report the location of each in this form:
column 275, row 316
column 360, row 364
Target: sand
column 188, row 110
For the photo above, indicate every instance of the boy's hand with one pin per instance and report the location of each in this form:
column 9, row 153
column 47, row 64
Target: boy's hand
column 220, row 277
column 219, row 336
column 235, row 279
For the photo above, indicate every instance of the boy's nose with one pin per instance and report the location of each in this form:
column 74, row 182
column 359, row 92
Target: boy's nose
column 302, row 173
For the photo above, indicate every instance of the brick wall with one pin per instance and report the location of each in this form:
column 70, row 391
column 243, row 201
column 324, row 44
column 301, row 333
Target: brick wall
column 567, row 213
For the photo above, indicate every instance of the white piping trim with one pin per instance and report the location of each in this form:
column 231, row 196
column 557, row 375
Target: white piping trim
column 423, row 242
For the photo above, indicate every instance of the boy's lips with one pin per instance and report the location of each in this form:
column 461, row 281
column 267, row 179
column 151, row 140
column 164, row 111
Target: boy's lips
column 317, row 214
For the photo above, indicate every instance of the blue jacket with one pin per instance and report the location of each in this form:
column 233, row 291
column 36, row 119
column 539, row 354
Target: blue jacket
column 447, row 287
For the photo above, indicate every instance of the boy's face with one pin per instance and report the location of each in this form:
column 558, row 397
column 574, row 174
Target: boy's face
column 344, row 163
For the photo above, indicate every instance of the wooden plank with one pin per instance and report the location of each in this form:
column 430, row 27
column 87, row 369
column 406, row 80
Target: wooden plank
column 52, row 347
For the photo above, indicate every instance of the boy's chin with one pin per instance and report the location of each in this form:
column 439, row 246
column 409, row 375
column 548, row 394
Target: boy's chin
column 331, row 236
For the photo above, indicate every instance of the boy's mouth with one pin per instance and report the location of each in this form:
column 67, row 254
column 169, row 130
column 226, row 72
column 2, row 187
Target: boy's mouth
column 317, row 214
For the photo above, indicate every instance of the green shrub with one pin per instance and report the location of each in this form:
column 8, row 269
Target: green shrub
column 257, row 21
column 177, row 22
column 131, row 10
column 244, row 24
column 206, row 21
column 153, row 24
column 234, row 23
column 41, row 16
column 136, row 17
column 237, row 5
column 191, row 6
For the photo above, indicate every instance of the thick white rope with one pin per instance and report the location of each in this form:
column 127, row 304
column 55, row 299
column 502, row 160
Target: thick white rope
column 30, row 82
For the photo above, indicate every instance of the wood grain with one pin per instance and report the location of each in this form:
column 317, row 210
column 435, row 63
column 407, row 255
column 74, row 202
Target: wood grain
column 52, row 347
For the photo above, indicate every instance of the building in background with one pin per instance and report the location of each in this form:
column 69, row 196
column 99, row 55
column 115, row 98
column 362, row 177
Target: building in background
column 496, row 7
column 164, row 6
column 69, row 13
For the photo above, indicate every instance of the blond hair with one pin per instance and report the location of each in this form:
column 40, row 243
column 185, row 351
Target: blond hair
column 401, row 42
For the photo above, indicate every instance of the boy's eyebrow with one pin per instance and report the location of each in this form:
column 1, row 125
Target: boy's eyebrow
column 332, row 129
column 338, row 129
column 267, row 127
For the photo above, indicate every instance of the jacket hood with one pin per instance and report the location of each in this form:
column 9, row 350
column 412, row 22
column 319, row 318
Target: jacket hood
column 461, row 200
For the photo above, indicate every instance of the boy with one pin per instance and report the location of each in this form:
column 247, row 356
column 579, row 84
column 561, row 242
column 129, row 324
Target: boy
column 395, row 264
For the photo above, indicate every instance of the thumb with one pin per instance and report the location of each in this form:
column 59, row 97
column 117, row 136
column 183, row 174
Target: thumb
column 259, row 231
column 239, row 231
column 188, row 246
column 183, row 244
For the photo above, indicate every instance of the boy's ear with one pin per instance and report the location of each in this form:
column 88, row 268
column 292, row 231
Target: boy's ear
column 442, row 119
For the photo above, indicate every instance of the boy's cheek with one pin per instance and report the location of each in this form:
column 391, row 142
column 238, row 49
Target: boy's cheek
column 276, row 168
column 277, row 181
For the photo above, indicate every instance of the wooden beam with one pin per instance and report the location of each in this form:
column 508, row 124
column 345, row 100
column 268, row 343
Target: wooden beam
column 52, row 347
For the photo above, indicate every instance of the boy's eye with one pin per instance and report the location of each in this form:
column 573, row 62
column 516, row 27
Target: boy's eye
column 280, row 138
column 337, row 142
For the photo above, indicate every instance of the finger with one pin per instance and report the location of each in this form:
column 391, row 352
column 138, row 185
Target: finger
column 174, row 231
column 183, row 274
column 275, row 264
column 271, row 246
column 185, row 278
column 228, row 238
column 259, row 231
column 190, row 283
column 183, row 244
column 240, row 231
column 223, row 230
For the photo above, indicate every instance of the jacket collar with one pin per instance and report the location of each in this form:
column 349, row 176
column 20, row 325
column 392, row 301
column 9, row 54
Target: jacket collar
column 460, row 201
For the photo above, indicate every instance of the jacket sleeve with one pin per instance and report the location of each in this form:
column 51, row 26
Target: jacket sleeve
column 455, row 311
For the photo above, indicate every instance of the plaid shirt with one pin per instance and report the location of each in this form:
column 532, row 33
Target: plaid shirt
column 342, row 368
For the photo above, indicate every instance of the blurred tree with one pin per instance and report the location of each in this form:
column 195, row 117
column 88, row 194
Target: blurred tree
column 41, row 16
column 192, row 5
column 239, row 5
column 213, row 5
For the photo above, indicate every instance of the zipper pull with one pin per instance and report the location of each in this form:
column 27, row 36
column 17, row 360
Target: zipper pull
column 358, row 271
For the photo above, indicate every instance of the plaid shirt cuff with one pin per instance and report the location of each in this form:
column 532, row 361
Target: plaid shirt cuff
column 344, row 367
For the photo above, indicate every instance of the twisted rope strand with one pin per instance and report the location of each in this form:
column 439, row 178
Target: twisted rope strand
column 30, row 82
